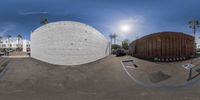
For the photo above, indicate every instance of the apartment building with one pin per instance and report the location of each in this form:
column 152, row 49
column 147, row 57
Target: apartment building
column 15, row 43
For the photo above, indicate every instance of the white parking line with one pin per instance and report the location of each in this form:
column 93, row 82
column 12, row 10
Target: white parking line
column 137, row 81
column 15, row 56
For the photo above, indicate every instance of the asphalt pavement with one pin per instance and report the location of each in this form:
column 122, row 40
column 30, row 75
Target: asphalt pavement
column 105, row 79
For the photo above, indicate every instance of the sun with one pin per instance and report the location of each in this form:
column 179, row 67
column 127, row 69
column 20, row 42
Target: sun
column 125, row 28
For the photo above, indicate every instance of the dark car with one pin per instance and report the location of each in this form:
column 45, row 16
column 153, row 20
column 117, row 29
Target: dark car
column 120, row 52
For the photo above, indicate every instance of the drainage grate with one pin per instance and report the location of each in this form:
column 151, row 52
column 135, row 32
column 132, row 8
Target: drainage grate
column 136, row 66
column 158, row 77
column 130, row 64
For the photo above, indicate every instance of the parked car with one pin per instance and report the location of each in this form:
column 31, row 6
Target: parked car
column 120, row 52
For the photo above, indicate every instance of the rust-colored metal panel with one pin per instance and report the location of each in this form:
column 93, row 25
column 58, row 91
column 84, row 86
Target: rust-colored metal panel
column 165, row 46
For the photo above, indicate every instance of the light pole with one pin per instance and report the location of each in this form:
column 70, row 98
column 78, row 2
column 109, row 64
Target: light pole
column 194, row 24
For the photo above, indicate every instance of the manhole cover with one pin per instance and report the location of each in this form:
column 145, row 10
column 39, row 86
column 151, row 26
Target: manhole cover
column 158, row 77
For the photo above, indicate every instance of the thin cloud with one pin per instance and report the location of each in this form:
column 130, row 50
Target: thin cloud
column 6, row 28
column 33, row 13
column 3, row 32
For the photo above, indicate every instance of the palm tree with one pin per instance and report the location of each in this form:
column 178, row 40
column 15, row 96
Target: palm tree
column 113, row 36
column 9, row 36
column 19, row 37
column 1, row 41
column 1, row 38
column 44, row 21
column 193, row 24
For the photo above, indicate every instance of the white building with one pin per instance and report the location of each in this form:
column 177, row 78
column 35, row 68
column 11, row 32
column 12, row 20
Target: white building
column 68, row 43
column 197, row 44
column 26, row 46
column 14, row 43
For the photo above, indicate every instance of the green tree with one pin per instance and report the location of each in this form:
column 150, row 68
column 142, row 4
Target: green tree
column 115, row 46
column 125, row 44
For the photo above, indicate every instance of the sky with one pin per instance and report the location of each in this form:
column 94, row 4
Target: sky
column 129, row 19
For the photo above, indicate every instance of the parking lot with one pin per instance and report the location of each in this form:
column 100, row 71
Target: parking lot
column 105, row 79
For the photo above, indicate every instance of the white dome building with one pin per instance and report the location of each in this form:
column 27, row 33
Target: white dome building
column 68, row 43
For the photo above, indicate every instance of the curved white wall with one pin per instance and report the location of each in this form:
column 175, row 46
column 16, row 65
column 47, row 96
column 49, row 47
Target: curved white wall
column 68, row 43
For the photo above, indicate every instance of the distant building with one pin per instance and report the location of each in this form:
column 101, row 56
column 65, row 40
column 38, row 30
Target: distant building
column 15, row 43
column 198, row 45
column 26, row 46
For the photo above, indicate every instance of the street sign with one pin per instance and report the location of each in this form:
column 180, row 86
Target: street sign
column 188, row 66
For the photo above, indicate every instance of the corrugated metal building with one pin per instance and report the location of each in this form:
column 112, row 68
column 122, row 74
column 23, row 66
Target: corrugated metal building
column 163, row 46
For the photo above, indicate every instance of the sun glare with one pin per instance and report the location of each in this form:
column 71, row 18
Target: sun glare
column 125, row 28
